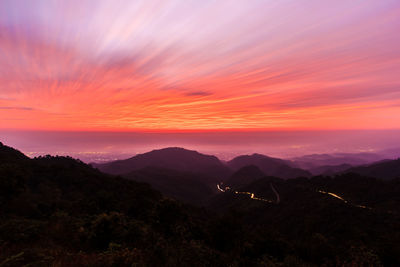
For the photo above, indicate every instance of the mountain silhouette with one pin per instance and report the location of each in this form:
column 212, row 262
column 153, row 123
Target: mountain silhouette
column 387, row 169
column 173, row 158
column 268, row 165
column 9, row 154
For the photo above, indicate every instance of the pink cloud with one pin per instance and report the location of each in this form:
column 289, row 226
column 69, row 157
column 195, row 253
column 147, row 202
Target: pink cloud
column 173, row 66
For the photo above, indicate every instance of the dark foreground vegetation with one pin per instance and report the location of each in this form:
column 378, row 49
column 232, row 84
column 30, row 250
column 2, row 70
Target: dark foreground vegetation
column 57, row 211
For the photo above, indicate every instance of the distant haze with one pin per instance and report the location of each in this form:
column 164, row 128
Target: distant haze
column 106, row 146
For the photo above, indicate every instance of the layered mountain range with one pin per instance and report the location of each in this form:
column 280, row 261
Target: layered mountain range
column 171, row 168
column 60, row 211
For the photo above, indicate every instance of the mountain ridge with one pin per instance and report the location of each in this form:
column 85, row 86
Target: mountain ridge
column 175, row 158
column 268, row 165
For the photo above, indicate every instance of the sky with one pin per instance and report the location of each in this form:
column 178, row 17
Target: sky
column 196, row 66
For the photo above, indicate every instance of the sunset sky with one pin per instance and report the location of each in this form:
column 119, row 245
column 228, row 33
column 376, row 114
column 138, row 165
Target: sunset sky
column 105, row 79
column 199, row 65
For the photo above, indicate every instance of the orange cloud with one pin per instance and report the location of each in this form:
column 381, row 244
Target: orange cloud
column 254, row 66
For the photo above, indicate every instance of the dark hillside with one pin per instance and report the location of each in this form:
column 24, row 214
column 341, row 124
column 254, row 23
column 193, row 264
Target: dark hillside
column 57, row 211
column 269, row 166
column 185, row 186
column 388, row 169
column 174, row 158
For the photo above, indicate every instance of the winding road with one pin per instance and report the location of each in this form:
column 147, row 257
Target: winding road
column 278, row 198
column 252, row 195
column 342, row 199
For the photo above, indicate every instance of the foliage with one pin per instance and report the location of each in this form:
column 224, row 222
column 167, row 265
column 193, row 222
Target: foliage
column 57, row 211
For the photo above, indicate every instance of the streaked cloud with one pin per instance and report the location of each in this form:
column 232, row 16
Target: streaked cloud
column 129, row 65
column 198, row 93
column 17, row 108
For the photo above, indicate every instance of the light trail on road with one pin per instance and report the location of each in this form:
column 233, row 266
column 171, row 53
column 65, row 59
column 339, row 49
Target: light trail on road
column 252, row 195
column 342, row 199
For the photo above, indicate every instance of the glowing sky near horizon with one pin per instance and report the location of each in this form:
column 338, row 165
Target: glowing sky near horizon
column 174, row 65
